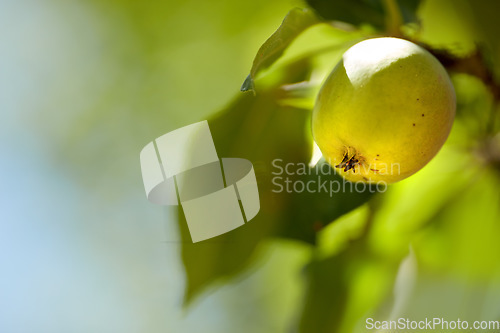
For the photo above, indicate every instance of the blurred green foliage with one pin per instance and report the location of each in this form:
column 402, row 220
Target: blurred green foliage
column 356, row 274
column 425, row 247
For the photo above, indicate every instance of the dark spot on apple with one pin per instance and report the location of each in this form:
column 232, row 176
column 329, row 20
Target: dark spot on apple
column 349, row 163
column 423, row 115
column 413, row 124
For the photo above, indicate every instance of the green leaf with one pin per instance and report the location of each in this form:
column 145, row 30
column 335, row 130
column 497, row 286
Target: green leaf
column 458, row 252
column 248, row 84
column 482, row 17
column 295, row 22
column 409, row 9
column 355, row 12
column 330, row 197
column 259, row 129
column 359, row 12
column 271, row 135
column 352, row 277
column 343, row 287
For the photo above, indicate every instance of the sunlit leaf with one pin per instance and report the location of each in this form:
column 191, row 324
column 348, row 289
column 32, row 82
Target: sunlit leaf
column 458, row 256
column 296, row 21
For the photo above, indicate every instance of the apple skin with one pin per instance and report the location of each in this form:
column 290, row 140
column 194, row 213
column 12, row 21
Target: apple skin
column 384, row 111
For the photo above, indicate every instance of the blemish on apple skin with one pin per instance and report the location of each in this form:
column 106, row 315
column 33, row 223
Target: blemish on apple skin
column 413, row 125
column 423, row 115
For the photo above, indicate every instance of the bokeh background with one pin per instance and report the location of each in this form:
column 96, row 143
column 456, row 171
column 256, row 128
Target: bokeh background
column 84, row 85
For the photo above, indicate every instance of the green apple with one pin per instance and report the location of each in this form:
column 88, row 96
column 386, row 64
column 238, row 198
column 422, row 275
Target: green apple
column 384, row 111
